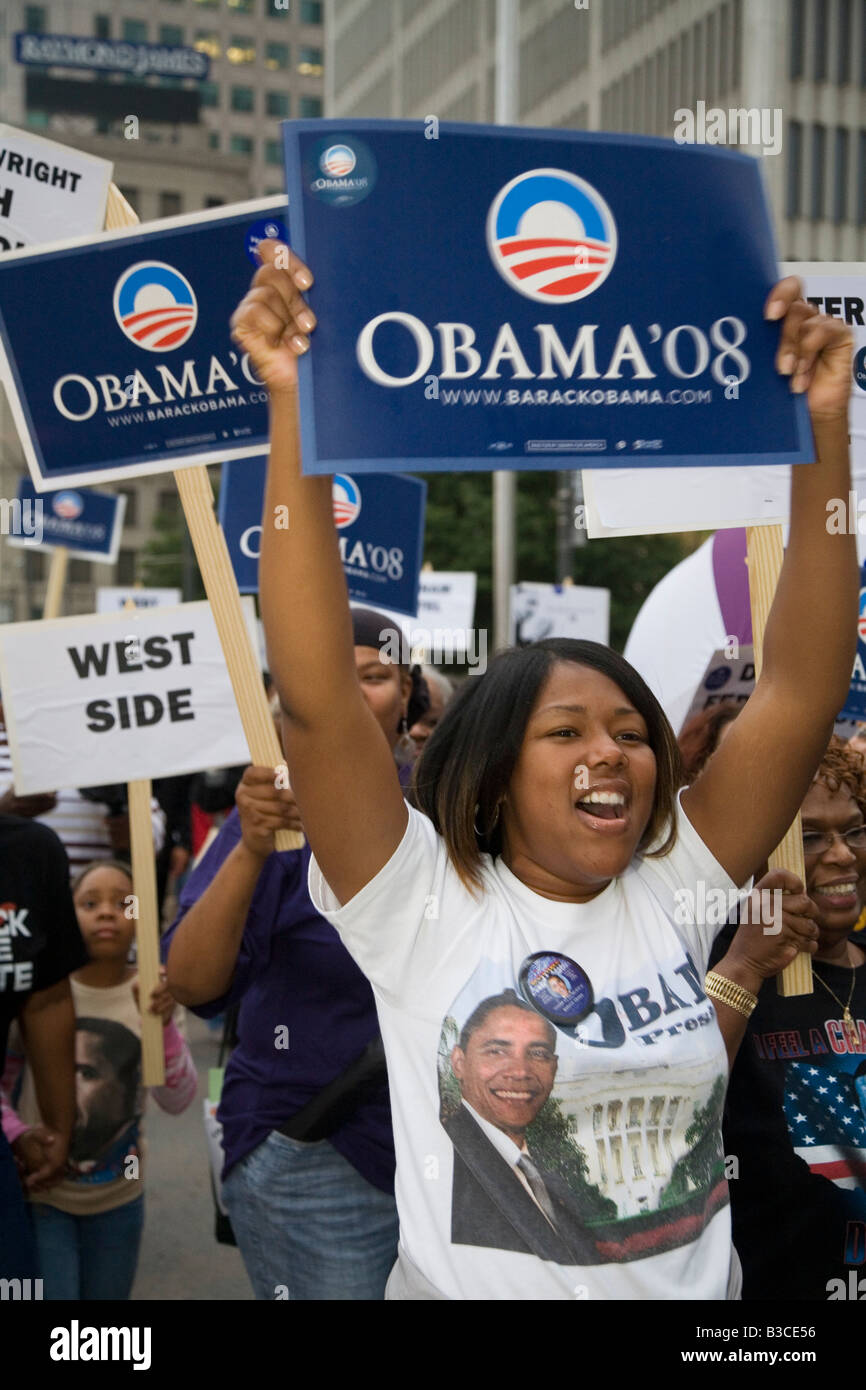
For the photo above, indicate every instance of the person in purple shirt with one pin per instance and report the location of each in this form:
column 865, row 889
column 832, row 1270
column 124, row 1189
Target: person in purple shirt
column 314, row 1217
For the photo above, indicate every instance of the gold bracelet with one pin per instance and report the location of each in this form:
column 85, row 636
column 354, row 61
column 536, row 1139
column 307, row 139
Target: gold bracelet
column 735, row 996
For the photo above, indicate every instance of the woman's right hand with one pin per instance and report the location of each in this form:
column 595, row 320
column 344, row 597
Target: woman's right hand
column 264, row 809
column 273, row 320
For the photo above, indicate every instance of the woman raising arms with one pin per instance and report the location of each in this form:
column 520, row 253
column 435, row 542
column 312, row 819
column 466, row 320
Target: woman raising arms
column 554, row 1140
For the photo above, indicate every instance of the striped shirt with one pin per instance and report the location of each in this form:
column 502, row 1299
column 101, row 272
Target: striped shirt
column 80, row 824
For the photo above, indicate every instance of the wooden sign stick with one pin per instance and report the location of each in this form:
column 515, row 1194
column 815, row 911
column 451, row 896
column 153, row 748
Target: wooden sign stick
column 765, row 553
column 146, row 930
column 209, row 544
column 56, row 581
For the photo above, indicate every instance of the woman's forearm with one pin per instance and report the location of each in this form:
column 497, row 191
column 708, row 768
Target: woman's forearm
column 302, row 587
column 48, row 1028
column 204, row 948
column 812, row 623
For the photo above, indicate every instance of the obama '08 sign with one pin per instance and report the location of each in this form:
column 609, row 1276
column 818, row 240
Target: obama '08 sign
column 601, row 301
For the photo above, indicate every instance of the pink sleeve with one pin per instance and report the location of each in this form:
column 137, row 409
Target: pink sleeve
column 13, row 1125
column 181, row 1077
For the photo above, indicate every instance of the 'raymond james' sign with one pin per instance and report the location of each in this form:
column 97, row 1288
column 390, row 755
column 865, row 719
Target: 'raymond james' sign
column 88, row 524
column 143, row 693
column 142, row 375
column 110, row 55
column 380, row 527
column 600, row 300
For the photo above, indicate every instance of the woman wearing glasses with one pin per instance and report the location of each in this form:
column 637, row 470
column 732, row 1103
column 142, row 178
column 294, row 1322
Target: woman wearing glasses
column 795, row 1118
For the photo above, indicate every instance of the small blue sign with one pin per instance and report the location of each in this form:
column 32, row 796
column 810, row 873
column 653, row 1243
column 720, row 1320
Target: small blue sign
column 497, row 297
column 855, row 705
column 142, row 375
column 380, row 529
column 87, row 523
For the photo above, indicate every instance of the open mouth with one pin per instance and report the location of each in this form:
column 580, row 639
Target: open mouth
column 837, row 894
column 603, row 809
column 520, row 1096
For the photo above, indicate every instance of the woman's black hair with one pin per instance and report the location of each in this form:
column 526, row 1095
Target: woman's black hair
column 467, row 763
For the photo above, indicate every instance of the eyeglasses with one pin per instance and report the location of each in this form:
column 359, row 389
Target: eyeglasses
column 819, row 841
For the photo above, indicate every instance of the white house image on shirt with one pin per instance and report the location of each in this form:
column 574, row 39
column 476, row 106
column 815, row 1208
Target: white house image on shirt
column 633, row 1131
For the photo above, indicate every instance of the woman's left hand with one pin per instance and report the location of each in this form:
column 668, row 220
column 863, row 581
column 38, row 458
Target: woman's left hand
column 815, row 351
column 161, row 1002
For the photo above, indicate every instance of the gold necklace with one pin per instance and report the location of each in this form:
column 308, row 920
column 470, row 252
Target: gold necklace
column 847, row 1019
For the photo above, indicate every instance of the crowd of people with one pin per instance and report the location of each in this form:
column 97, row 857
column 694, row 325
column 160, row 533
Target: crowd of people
column 488, row 1040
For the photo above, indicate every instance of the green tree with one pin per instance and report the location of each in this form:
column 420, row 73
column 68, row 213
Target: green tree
column 551, row 1143
column 458, row 537
column 168, row 560
column 704, row 1164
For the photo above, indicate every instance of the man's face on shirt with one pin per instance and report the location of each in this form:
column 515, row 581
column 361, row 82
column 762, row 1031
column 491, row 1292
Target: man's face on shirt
column 102, row 1108
column 508, row 1068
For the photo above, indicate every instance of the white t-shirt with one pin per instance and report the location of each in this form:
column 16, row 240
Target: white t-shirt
column 620, row 1112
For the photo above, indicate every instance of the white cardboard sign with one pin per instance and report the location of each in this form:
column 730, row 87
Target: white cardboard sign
column 48, row 192
column 537, row 611
column 112, row 600
column 118, row 697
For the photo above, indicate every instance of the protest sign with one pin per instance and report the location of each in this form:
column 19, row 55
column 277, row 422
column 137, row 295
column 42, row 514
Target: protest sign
column 147, row 378
column 380, row 525
column 584, row 313
column 637, row 502
column 48, row 191
column 855, row 705
column 87, row 523
column 558, row 610
column 838, row 288
column 110, row 599
column 118, row 697
column 728, row 679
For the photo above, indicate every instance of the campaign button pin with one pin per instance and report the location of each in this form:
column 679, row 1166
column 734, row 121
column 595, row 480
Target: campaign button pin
column 557, row 987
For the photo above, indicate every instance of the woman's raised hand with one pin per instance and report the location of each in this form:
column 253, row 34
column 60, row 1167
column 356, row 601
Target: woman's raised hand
column 273, row 320
column 815, row 351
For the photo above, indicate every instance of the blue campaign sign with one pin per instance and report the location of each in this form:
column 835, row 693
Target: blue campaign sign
column 118, row 354
column 497, row 297
column 380, row 527
column 87, row 523
column 855, row 705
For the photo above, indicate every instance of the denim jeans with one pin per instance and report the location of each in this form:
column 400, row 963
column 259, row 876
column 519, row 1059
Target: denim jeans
column 308, row 1225
column 93, row 1258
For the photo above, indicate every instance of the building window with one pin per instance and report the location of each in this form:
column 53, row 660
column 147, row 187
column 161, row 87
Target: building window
column 102, row 26
column 310, row 62
column 311, row 12
column 169, row 204
column 214, row 202
column 131, row 195
column 821, row 22
column 798, row 38
column 241, row 50
column 241, row 6
column 171, row 34
column 840, row 176
column 38, row 120
column 208, row 4
column 34, row 565
column 277, row 56
column 207, row 42
column 243, row 99
column 79, row 572
column 277, row 104
column 209, row 93
column 168, row 503
column 309, row 107
column 130, row 516
column 273, row 151
column 126, row 567
column 213, row 139
column 795, row 169
column 819, row 163
column 843, row 44
column 35, row 19
column 276, row 9
column 240, row 144
column 860, row 210
column 135, row 30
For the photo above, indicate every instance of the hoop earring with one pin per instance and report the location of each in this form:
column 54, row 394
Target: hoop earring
column 404, row 751
column 485, row 834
